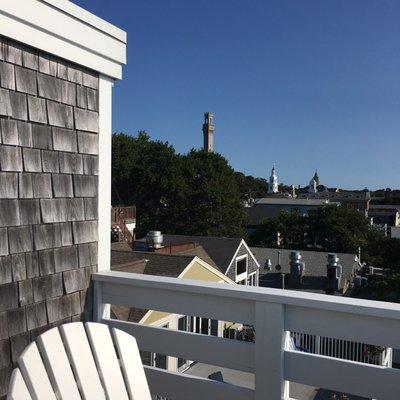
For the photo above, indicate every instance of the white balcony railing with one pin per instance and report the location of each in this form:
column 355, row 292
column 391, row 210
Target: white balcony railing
column 273, row 312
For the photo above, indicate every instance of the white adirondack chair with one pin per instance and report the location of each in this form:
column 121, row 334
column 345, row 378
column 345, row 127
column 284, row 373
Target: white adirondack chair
column 80, row 361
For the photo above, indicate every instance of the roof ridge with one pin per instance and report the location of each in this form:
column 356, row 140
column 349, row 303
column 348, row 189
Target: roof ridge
column 205, row 237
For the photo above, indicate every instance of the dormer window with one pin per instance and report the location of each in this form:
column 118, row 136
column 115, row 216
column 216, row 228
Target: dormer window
column 241, row 268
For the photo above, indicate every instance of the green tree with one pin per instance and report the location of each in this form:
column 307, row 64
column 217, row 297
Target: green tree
column 213, row 201
column 338, row 229
column 329, row 228
column 147, row 173
column 250, row 186
column 383, row 252
column 291, row 227
column 190, row 194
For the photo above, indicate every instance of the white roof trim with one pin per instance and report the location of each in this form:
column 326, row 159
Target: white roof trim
column 61, row 28
column 237, row 250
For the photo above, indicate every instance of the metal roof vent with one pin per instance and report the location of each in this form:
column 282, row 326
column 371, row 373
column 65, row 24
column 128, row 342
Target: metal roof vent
column 297, row 269
column 154, row 239
column 333, row 273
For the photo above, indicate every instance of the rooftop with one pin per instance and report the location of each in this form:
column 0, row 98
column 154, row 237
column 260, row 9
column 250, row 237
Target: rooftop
column 220, row 249
column 315, row 271
column 291, row 201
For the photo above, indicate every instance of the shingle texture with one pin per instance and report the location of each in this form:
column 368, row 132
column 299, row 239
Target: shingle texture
column 48, row 195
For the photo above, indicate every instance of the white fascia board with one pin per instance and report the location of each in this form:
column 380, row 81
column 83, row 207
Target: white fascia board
column 91, row 19
column 67, row 31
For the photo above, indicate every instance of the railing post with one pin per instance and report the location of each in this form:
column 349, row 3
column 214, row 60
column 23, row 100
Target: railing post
column 269, row 352
column 100, row 310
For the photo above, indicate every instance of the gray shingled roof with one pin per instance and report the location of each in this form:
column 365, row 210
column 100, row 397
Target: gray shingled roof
column 220, row 249
column 147, row 263
column 141, row 262
column 315, row 262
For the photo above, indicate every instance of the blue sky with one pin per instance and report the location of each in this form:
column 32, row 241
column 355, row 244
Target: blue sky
column 302, row 84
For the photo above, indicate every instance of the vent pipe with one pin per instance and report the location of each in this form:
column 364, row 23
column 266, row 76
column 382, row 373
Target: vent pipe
column 333, row 274
column 154, row 240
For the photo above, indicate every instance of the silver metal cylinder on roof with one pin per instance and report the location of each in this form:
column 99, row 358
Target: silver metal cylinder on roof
column 297, row 268
column 333, row 273
column 154, row 239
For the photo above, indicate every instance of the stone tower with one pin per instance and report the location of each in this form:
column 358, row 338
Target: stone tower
column 208, row 132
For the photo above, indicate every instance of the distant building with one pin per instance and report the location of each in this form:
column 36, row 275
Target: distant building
column 350, row 199
column 384, row 214
column 273, row 182
column 358, row 200
column 314, row 183
column 208, row 132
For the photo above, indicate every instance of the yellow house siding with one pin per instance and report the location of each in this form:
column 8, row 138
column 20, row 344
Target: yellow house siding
column 197, row 272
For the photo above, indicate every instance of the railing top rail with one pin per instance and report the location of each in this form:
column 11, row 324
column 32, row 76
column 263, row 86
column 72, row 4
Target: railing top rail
column 287, row 297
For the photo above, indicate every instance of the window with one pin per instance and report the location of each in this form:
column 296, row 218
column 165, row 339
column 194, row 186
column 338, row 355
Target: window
column 252, row 280
column 146, row 357
column 241, row 266
column 204, row 326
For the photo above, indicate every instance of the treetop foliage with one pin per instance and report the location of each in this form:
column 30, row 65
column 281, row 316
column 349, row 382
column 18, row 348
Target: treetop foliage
column 332, row 229
column 194, row 193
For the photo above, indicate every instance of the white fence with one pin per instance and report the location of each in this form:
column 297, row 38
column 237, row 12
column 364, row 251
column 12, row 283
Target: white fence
column 273, row 312
column 344, row 349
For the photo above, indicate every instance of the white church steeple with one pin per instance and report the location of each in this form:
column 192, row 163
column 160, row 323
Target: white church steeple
column 314, row 182
column 312, row 187
column 273, row 182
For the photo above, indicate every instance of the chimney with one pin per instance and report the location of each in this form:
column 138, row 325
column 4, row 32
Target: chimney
column 297, row 269
column 154, row 240
column 333, row 274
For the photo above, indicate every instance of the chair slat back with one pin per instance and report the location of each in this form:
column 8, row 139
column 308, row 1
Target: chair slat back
column 81, row 358
column 132, row 366
column 106, row 360
column 80, row 364
column 57, row 364
column 35, row 374
column 18, row 389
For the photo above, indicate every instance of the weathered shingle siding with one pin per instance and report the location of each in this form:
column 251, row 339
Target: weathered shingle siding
column 48, row 195
column 252, row 266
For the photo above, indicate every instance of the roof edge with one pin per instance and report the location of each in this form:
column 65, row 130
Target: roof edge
column 65, row 30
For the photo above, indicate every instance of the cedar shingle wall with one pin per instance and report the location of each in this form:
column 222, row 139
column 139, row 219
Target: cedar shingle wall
column 48, row 195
